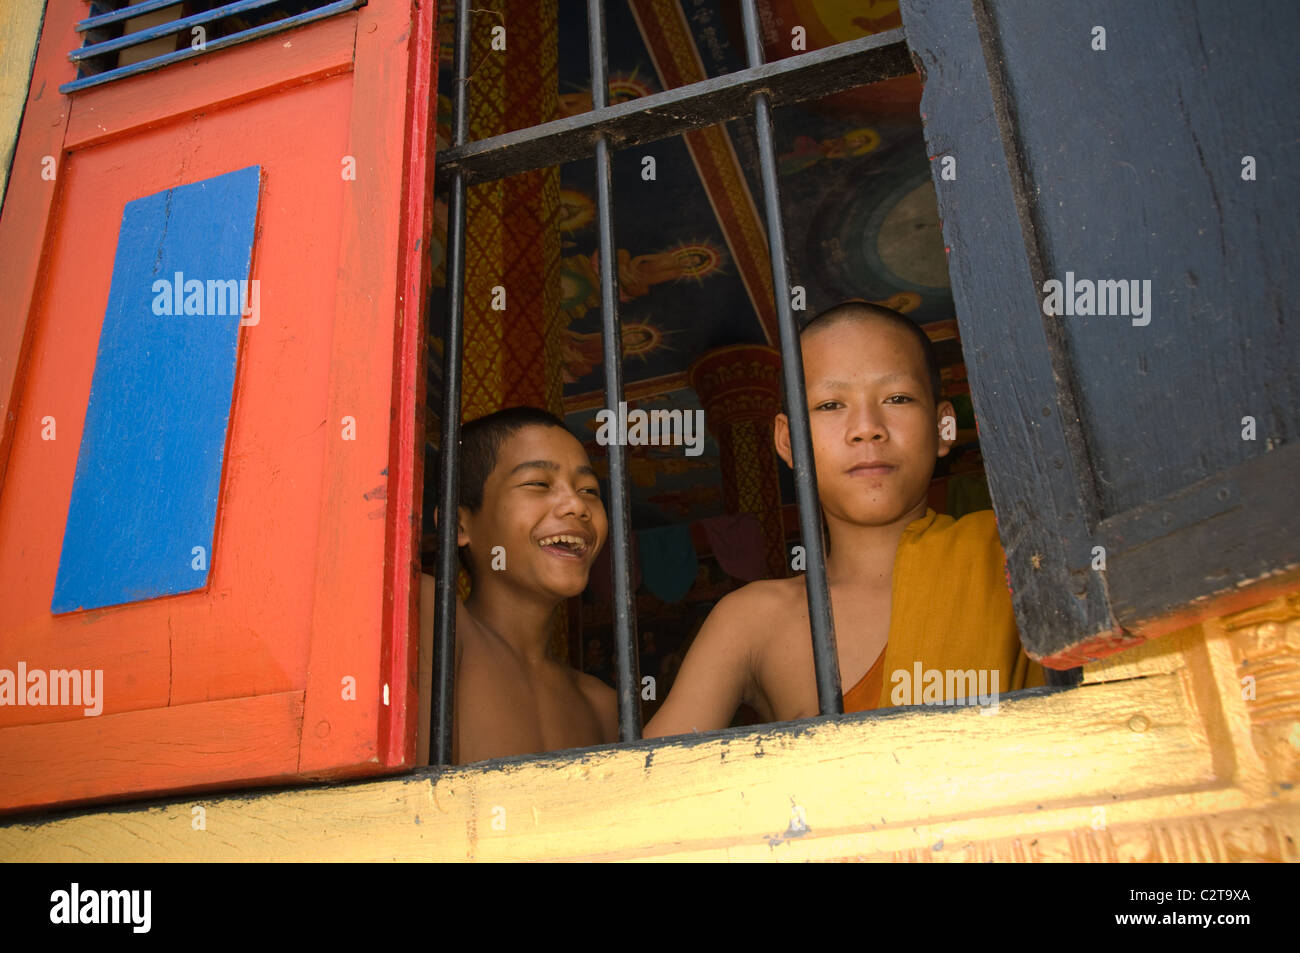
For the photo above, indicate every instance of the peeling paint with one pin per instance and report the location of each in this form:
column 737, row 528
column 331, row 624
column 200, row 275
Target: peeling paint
column 471, row 822
column 798, row 826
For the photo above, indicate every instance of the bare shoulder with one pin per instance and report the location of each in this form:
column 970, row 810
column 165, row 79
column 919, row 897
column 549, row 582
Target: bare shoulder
column 762, row 601
column 593, row 688
column 429, row 616
column 428, row 604
column 743, row 622
column 721, row 666
column 603, row 699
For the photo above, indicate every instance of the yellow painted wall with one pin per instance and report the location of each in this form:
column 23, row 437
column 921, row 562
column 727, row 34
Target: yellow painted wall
column 20, row 28
column 1183, row 749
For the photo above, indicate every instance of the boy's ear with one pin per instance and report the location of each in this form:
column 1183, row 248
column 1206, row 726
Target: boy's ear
column 462, row 520
column 462, row 536
column 781, row 437
column 947, row 415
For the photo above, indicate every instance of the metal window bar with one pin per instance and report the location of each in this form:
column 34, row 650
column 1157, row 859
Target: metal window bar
column 762, row 85
column 449, row 455
column 825, row 662
column 627, row 662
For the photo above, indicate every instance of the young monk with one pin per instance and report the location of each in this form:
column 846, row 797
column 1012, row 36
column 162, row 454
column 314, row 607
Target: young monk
column 906, row 584
column 528, row 488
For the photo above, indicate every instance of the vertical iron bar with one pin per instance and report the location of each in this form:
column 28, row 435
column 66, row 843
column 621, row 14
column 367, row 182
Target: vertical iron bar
column 444, row 667
column 825, row 660
column 625, row 635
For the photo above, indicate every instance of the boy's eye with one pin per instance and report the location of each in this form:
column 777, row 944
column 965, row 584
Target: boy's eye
column 828, row 405
column 900, row 398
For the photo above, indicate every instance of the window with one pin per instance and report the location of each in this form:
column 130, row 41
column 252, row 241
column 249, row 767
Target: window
column 627, row 113
column 1073, row 501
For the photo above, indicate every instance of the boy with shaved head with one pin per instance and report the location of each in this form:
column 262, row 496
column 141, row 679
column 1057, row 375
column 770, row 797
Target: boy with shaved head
column 530, row 523
column 909, row 589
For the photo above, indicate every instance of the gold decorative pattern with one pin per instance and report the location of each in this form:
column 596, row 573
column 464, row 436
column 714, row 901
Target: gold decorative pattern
column 1242, row 836
column 1265, row 644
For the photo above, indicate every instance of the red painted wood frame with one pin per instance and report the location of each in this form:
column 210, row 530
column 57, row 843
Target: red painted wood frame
column 316, row 554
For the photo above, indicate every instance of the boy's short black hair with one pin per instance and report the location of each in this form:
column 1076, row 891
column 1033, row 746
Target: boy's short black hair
column 480, row 442
column 856, row 309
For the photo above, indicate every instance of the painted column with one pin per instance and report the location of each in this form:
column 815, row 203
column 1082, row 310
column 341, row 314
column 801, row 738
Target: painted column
column 740, row 389
column 513, row 322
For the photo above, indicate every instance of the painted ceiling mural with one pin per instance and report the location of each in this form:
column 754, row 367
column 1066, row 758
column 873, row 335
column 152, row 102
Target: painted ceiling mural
column 860, row 220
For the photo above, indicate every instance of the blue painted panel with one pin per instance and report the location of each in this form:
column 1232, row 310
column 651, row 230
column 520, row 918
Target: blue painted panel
column 149, row 471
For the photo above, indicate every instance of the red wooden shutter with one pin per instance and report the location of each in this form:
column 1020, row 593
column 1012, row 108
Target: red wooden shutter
column 296, row 657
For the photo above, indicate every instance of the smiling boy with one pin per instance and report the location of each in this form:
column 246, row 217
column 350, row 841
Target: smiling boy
column 530, row 523
column 908, row 587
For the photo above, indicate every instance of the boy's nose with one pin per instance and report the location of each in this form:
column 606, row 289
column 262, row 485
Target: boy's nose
column 866, row 425
column 573, row 502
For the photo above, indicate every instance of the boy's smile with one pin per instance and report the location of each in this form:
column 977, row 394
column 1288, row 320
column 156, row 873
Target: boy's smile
column 572, row 544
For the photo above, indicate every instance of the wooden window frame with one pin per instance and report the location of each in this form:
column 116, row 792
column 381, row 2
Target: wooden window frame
column 1231, row 535
column 672, row 112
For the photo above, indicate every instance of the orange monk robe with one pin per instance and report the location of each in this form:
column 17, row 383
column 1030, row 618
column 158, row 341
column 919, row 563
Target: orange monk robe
column 951, row 610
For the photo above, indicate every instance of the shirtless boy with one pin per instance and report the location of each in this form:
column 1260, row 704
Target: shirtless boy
column 930, row 588
column 527, row 487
